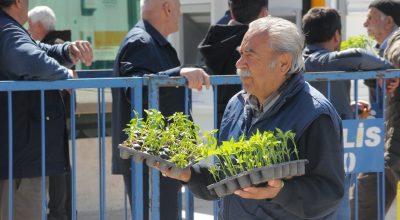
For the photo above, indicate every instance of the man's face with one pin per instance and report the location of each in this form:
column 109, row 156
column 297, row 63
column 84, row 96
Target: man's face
column 175, row 15
column 375, row 25
column 262, row 63
column 36, row 30
column 24, row 10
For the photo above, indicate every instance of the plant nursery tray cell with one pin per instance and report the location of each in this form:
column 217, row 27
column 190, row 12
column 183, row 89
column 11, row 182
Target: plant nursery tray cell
column 139, row 157
column 256, row 176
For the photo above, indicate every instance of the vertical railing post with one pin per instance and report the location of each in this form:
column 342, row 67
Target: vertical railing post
column 189, row 214
column 215, row 112
column 10, row 157
column 155, row 175
column 43, row 146
column 73, row 145
column 137, row 168
column 103, row 207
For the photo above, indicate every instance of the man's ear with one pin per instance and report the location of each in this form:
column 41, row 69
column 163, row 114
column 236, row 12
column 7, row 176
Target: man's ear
column 284, row 63
column 337, row 37
column 166, row 8
column 389, row 20
column 263, row 12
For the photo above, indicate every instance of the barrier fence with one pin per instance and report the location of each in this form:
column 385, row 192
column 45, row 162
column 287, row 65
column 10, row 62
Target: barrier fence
column 355, row 153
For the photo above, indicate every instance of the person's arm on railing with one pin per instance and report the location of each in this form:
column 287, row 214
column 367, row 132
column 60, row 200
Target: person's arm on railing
column 134, row 63
column 26, row 60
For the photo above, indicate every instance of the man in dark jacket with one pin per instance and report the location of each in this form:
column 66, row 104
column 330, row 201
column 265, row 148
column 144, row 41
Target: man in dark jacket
column 42, row 22
column 322, row 28
column 219, row 45
column 276, row 96
column 145, row 50
column 24, row 59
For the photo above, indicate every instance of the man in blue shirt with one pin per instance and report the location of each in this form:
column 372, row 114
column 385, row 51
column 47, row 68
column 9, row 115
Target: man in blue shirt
column 144, row 51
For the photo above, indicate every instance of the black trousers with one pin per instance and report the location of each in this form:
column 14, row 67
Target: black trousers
column 60, row 197
column 169, row 189
column 368, row 197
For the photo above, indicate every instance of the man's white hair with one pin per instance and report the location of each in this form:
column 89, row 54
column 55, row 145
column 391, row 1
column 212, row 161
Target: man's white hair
column 44, row 15
column 284, row 37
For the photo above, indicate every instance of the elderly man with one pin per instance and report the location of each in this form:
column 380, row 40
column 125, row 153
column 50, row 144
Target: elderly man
column 383, row 20
column 219, row 45
column 276, row 96
column 24, row 59
column 145, row 50
column 42, row 20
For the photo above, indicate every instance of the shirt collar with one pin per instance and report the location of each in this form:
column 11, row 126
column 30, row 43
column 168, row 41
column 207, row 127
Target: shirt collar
column 153, row 32
column 385, row 42
column 258, row 108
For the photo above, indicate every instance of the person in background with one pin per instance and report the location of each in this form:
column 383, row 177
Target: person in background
column 22, row 58
column 383, row 20
column 42, row 27
column 218, row 47
column 146, row 51
column 322, row 29
column 276, row 96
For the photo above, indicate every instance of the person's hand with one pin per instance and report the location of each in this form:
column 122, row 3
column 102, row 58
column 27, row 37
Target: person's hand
column 81, row 50
column 72, row 75
column 362, row 105
column 183, row 176
column 196, row 78
column 270, row 191
column 391, row 85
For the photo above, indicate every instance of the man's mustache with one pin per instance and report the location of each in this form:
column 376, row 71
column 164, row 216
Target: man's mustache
column 243, row 72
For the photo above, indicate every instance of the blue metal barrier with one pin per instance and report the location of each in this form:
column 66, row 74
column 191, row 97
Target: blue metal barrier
column 136, row 84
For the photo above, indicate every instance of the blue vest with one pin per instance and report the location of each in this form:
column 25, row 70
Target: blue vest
column 297, row 107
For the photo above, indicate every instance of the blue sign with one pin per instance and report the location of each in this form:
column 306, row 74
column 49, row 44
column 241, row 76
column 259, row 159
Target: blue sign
column 363, row 142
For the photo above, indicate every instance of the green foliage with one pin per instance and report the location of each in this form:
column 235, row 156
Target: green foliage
column 360, row 41
column 174, row 138
column 262, row 149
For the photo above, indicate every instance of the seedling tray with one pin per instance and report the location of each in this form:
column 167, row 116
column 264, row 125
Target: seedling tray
column 256, row 176
column 139, row 157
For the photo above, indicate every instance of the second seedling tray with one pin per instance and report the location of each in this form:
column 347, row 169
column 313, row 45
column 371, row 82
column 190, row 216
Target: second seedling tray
column 256, row 176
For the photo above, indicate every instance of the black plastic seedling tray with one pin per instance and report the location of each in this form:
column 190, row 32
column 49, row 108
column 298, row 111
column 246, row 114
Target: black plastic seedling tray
column 139, row 157
column 256, row 176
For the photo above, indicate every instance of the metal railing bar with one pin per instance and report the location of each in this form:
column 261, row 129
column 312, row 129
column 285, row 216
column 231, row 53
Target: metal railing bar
column 43, row 148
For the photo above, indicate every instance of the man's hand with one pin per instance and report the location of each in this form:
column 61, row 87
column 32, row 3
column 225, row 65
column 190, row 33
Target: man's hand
column 362, row 106
column 81, row 50
column 391, row 85
column 183, row 176
column 270, row 191
column 196, row 78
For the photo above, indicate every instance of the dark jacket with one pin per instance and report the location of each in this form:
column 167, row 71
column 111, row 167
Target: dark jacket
column 392, row 132
column 143, row 51
column 317, row 194
column 24, row 59
column 318, row 59
column 219, row 49
column 59, row 37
